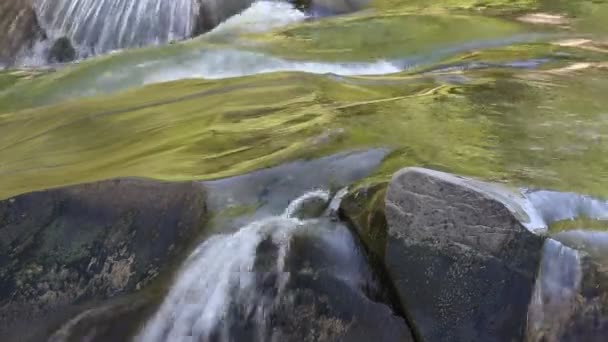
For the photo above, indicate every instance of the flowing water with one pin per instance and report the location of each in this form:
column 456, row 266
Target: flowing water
column 97, row 26
column 248, row 285
column 492, row 90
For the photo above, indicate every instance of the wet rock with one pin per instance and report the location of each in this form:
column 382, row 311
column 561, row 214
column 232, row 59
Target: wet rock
column 325, row 292
column 327, row 303
column 462, row 263
column 61, row 249
column 62, row 51
column 363, row 209
column 20, row 28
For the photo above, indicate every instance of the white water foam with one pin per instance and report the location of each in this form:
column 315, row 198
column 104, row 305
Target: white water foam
column 260, row 17
column 218, row 64
column 555, row 293
column 558, row 206
column 97, row 26
column 201, row 295
column 221, row 273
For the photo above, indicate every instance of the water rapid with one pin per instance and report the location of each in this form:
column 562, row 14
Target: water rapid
column 258, row 283
column 97, row 26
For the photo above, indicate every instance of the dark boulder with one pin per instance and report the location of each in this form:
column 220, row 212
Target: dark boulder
column 462, row 263
column 62, row 51
column 61, row 249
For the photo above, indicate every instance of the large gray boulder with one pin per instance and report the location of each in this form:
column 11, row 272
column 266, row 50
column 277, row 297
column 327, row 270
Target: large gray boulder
column 62, row 249
column 462, row 263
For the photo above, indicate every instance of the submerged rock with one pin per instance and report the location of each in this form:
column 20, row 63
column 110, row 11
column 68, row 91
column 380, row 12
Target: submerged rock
column 62, row 51
column 19, row 28
column 61, row 249
column 462, row 263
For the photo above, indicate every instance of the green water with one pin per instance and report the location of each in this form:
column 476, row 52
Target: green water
column 478, row 93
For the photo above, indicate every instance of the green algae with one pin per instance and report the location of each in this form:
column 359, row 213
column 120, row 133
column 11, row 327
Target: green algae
column 538, row 128
column 543, row 126
column 394, row 35
column 579, row 224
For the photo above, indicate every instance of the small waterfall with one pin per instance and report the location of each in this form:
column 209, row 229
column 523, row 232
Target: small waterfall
column 97, row 26
column 557, row 287
column 564, row 305
column 248, row 286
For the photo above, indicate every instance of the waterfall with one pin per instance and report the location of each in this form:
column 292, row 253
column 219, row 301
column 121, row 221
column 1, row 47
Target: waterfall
column 97, row 26
column 555, row 293
column 245, row 286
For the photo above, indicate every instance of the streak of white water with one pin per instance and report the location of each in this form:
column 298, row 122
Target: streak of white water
column 220, row 273
column 201, row 296
column 260, row 17
column 219, row 64
column 555, row 293
column 296, row 205
column 97, row 26
column 557, row 206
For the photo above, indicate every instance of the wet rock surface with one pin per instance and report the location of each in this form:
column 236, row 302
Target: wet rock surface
column 19, row 28
column 324, row 300
column 461, row 262
column 61, row 249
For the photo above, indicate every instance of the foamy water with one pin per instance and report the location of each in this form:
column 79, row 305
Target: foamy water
column 221, row 278
column 555, row 293
column 97, row 26
column 260, row 17
column 218, row 64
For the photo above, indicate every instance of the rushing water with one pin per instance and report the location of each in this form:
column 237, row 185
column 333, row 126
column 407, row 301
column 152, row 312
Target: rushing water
column 244, row 285
column 98, row 26
column 462, row 89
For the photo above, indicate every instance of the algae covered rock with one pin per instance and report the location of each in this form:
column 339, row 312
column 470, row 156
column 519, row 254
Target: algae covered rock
column 462, row 263
column 63, row 248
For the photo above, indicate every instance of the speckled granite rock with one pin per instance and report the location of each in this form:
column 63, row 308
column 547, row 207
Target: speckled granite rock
column 462, row 263
column 66, row 247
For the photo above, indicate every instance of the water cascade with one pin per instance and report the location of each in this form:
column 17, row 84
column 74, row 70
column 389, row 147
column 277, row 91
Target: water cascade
column 259, row 283
column 97, row 26
column 557, row 286
column 569, row 282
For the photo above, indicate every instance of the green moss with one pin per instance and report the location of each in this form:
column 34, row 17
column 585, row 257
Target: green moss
column 370, row 36
column 579, row 223
column 537, row 129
